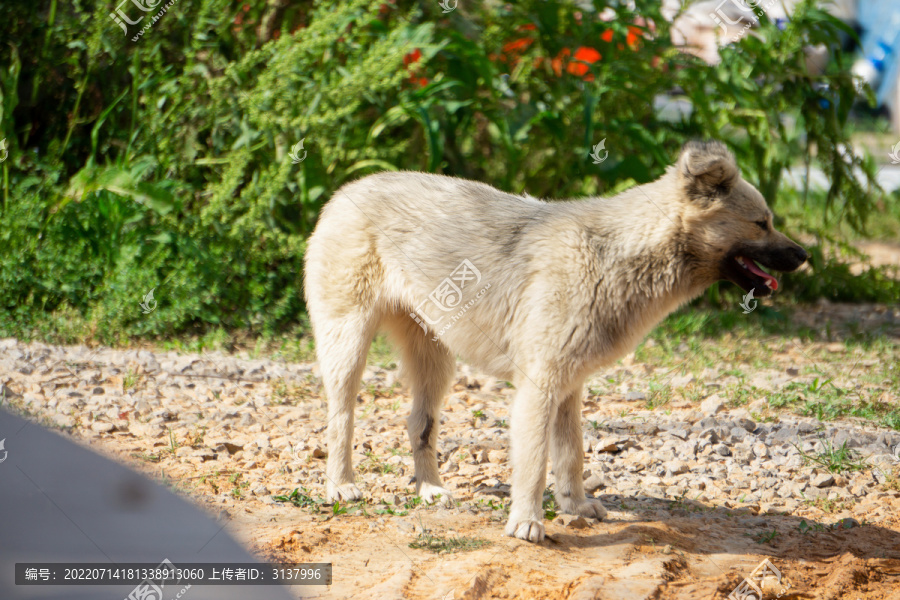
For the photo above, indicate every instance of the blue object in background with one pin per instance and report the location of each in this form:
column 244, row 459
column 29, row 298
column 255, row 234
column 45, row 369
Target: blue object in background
column 880, row 22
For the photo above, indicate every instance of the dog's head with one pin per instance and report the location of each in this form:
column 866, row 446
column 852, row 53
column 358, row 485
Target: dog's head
column 728, row 224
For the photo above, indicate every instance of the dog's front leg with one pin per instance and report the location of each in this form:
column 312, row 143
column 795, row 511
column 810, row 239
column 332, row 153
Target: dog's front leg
column 529, row 428
column 567, row 456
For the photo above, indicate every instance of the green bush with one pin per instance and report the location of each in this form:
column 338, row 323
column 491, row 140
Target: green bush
column 164, row 163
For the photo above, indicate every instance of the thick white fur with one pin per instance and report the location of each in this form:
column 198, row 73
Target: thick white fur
column 574, row 285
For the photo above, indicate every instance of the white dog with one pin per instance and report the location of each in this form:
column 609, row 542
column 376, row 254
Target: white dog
column 541, row 294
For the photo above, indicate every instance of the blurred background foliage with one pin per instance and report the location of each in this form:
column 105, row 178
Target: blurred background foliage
column 163, row 163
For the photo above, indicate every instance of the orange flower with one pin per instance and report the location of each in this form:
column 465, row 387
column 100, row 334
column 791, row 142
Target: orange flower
column 607, row 35
column 527, row 27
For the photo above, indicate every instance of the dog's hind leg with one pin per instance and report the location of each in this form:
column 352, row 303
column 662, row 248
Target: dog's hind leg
column 428, row 368
column 567, row 458
column 342, row 345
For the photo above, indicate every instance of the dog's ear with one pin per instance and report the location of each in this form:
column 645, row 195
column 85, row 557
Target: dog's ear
column 707, row 170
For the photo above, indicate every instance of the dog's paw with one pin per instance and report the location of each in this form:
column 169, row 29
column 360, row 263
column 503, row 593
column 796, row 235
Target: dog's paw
column 525, row 529
column 347, row 492
column 589, row 507
column 432, row 494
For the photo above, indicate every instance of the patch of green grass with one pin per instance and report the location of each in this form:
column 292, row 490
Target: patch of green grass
column 494, row 504
column 892, row 482
column 300, row 499
column 660, row 395
column 827, row 402
column 153, row 458
column 766, row 537
column 693, row 392
column 373, row 464
column 386, row 509
column 439, row 544
column 382, row 353
column 806, row 527
column 413, row 502
column 835, row 460
column 551, row 508
column 740, row 395
column 238, row 486
column 285, row 394
column 130, row 380
column 831, row 505
column 390, row 510
column 376, row 390
column 173, row 443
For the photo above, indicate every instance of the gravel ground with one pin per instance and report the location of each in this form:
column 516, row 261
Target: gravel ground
column 699, row 491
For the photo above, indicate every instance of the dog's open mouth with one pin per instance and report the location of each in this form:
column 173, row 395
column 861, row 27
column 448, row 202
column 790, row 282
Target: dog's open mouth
column 744, row 267
column 749, row 264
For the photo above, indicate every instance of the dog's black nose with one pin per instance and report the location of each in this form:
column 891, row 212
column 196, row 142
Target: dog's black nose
column 800, row 254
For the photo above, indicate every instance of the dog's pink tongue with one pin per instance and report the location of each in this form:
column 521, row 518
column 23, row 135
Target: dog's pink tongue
column 773, row 283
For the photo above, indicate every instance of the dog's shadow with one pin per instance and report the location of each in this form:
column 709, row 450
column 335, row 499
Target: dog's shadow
column 698, row 528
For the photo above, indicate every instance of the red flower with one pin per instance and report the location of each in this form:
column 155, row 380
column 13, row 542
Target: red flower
column 588, row 55
column 246, row 8
column 582, row 59
column 557, row 62
column 517, row 46
column 412, row 57
column 631, row 38
column 528, row 27
column 633, row 34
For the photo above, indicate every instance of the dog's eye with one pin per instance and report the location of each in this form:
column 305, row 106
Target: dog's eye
column 763, row 224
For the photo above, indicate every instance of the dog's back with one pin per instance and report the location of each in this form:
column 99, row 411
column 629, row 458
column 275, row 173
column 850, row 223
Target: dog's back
column 387, row 241
column 419, row 222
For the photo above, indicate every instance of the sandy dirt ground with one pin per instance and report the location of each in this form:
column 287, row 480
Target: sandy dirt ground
column 234, row 435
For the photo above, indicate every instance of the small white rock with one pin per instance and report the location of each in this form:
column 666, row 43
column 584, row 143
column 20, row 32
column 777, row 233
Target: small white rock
column 712, row 405
column 102, row 426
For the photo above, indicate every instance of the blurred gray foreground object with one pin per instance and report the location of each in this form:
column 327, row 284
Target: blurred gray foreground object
column 60, row 502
